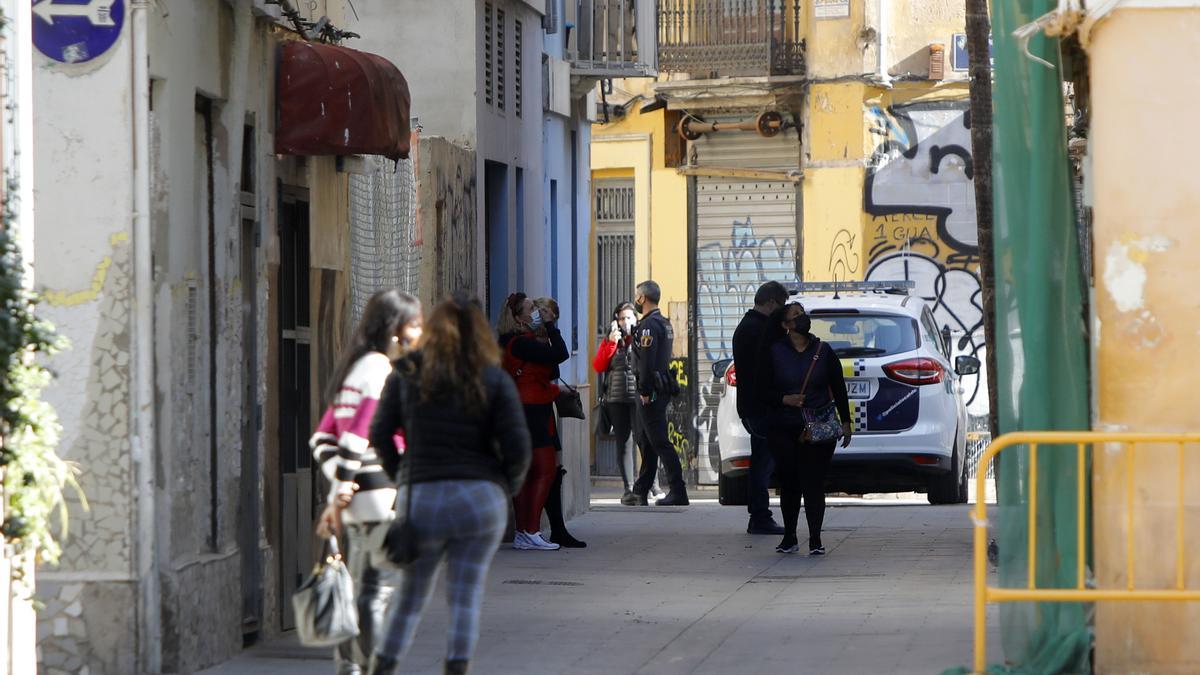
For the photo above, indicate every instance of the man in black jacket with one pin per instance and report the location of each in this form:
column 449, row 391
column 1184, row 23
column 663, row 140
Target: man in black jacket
column 652, row 341
column 747, row 348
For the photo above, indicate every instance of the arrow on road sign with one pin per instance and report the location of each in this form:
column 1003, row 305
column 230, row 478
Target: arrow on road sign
column 98, row 12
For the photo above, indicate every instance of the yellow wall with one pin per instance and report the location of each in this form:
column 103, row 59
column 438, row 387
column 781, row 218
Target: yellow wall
column 833, row 44
column 833, row 224
column 915, row 25
column 634, row 147
column 1146, row 324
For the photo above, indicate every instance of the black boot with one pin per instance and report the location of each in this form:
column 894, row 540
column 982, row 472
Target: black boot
column 558, row 526
column 456, row 667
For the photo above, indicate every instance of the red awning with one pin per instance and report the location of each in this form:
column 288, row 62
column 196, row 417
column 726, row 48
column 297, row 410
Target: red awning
column 339, row 101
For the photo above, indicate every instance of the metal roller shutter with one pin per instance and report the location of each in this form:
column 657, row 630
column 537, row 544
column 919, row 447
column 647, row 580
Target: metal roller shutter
column 746, row 150
column 745, row 235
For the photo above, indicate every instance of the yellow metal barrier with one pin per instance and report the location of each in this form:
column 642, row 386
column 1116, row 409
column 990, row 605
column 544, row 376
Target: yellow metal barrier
column 1080, row 439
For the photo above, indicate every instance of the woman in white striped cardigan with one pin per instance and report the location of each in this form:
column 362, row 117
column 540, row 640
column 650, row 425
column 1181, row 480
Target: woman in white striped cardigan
column 361, row 496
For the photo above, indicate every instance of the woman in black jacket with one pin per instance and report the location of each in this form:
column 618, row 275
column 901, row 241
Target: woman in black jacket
column 800, row 372
column 533, row 348
column 466, row 452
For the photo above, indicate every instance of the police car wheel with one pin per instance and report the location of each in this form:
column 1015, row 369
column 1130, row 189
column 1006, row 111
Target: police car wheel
column 944, row 489
column 733, row 491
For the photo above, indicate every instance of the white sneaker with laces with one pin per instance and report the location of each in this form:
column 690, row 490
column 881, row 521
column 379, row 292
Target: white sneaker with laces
column 533, row 542
column 520, row 541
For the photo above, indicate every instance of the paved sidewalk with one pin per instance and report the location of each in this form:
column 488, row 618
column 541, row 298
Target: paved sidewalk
column 687, row 591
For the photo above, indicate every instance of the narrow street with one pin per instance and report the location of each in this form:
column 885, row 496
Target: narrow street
column 669, row 590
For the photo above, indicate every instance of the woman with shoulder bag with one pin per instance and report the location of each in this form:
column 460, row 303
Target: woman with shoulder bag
column 467, row 452
column 361, row 496
column 614, row 362
column 548, row 307
column 810, row 412
column 533, row 361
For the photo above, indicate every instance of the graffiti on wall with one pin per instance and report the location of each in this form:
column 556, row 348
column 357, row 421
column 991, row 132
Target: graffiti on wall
column 919, row 197
column 446, row 205
column 680, row 429
column 844, row 258
column 728, row 272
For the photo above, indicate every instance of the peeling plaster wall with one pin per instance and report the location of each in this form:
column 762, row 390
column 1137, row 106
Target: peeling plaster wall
column 916, row 25
column 83, row 240
column 83, row 202
column 232, row 64
column 1147, row 241
column 446, row 187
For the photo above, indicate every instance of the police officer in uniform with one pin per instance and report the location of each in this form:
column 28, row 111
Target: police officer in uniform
column 652, row 341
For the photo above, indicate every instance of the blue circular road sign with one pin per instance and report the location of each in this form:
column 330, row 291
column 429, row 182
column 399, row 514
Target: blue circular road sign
column 77, row 31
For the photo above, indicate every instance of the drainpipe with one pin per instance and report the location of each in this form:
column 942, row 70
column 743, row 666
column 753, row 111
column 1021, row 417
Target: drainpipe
column 885, row 11
column 145, row 435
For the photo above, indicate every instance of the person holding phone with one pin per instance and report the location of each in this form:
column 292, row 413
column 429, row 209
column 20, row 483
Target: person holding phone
column 618, row 386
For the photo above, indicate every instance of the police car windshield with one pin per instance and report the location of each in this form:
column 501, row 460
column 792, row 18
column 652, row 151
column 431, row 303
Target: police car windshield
column 858, row 335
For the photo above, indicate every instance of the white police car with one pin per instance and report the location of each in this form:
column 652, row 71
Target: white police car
column 910, row 422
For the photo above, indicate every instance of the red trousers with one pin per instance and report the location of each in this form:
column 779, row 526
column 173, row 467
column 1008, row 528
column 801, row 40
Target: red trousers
column 530, row 501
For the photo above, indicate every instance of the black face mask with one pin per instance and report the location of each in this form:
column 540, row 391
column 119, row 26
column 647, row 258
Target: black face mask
column 638, row 306
column 802, row 324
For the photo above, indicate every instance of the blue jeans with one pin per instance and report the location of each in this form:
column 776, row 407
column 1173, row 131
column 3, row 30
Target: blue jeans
column 762, row 465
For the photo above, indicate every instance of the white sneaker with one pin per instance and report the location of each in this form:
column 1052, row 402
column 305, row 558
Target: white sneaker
column 532, row 541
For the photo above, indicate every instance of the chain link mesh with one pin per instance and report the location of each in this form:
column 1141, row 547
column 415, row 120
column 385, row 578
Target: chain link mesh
column 384, row 248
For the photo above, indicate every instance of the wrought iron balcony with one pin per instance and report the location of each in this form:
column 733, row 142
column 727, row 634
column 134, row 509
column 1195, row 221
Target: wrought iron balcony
column 607, row 42
column 728, row 38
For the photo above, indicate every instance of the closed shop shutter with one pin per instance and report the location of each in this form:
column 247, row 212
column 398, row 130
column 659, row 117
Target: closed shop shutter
column 745, row 235
column 746, row 149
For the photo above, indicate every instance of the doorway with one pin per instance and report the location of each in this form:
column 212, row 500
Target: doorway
column 295, row 395
column 495, row 205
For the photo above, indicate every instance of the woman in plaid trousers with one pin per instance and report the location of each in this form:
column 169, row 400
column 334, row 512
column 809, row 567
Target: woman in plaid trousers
column 467, row 453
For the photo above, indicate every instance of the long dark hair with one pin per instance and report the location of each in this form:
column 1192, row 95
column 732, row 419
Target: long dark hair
column 457, row 347
column 621, row 307
column 385, row 314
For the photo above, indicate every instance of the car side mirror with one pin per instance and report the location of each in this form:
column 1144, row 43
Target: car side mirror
column 966, row 365
column 719, row 368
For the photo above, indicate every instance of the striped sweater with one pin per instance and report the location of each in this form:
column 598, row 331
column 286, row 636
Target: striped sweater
column 341, row 447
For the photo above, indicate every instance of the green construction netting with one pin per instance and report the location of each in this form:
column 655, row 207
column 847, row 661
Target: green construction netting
column 1041, row 345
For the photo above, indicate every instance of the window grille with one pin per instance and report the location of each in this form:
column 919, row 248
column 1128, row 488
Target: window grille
column 500, row 74
column 488, row 42
column 517, row 67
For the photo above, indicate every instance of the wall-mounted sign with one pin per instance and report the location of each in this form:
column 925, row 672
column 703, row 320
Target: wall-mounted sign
column 959, row 59
column 76, row 31
column 831, row 9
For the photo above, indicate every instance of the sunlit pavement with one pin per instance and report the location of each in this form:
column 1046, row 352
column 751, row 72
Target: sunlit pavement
column 686, row 590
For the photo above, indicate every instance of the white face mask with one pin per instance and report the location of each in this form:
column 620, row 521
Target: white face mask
column 535, row 318
column 628, row 323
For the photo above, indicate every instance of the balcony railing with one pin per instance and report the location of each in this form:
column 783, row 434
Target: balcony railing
column 725, row 38
column 607, row 41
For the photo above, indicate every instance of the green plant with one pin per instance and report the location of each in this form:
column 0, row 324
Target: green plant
column 32, row 475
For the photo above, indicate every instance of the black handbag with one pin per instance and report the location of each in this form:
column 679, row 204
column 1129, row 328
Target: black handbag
column 569, row 404
column 399, row 545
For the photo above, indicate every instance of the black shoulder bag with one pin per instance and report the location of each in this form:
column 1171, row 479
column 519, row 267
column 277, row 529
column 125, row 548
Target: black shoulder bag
column 399, row 545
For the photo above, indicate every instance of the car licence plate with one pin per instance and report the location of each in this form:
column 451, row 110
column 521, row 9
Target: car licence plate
column 858, row 387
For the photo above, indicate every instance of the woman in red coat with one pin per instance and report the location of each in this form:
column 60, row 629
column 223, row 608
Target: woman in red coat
column 533, row 363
